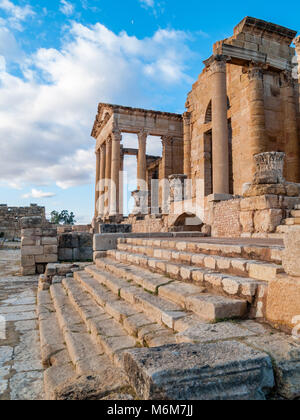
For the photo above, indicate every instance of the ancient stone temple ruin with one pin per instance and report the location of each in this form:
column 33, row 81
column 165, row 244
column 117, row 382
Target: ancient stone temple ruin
column 245, row 102
column 196, row 294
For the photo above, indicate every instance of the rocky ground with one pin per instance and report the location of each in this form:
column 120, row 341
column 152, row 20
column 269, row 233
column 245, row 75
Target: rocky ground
column 21, row 372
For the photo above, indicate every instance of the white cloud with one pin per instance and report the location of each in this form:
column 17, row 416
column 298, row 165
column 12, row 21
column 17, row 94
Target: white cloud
column 16, row 14
column 66, row 8
column 147, row 3
column 46, row 115
column 38, row 194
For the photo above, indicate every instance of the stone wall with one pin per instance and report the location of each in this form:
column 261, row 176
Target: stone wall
column 262, row 214
column 38, row 245
column 261, row 92
column 10, row 218
column 42, row 244
column 226, row 219
column 75, row 246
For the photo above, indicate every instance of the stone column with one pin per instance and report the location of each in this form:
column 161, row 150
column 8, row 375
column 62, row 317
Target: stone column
column 296, row 70
column 141, row 160
column 187, row 144
column 115, row 173
column 167, row 169
column 107, row 174
column 257, row 122
column 292, row 149
column 121, row 181
column 97, row 183
column 219, row 126
column 102, row 179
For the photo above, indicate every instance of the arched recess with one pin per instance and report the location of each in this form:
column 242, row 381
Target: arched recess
column 187, row 222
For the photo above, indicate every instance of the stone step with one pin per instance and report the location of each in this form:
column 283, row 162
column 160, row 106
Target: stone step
column 292, row 221
column 283, row 229
column 86, row 355
column 261, row 253
column 131, row 317
column 70, row 357
column 237, row 266
column 295, row 213
column 232, row 286
column 214, row 282
column 162, row 309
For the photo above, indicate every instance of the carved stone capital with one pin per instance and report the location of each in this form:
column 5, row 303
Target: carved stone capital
column 286, row 79
column 217, row 64
column 269, row 168
column 142, row 135
column 187, row 118
column 116, row 135
column 166, row 140
column 256, row 71
column 296, row 41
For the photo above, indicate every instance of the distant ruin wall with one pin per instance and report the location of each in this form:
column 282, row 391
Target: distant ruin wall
column 42, row 243
column 10, row 218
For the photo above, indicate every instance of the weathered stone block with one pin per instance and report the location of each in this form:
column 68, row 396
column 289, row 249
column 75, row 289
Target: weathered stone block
column 180, row 372
column 28, row 271
column 32, row 250
column 49, row 232
column 285, row 353
column 65, row 254
column 31, row 222
column 291, row 254
column 263, row 202
column 50, row 249
column 283, row 301
column 267, row 220
column 49, row 258
column 49, row 240
column 247, row 221
column 27, row 261
column 85, row 240
column 31, row 232
column 28, row 241
column 105, row 242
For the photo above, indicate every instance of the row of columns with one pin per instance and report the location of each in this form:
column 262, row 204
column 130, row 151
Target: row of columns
column 109, row 169
column 257, row 121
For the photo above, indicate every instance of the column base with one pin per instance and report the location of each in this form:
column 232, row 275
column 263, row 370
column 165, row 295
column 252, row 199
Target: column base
column 219, row 197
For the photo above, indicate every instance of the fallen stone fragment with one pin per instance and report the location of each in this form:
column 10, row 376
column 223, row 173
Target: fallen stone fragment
column 216, row 371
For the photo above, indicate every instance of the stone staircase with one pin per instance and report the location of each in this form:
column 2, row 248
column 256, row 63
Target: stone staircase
column 138, row 322
column 292, row 223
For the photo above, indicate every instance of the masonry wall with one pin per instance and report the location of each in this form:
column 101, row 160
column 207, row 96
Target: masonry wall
column 10, row 218
column 240, row 97
column 226, row 219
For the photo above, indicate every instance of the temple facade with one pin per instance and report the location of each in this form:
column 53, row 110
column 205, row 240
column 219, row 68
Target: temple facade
column 244, row 103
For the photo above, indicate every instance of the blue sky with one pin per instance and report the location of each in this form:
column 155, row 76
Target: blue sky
column 58, row 59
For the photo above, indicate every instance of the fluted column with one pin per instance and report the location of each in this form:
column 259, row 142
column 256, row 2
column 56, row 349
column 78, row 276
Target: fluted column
column 296, row 69
column 97, row 182
column 115, row 173
column 187, row 143
column 107, row 175
column 121, row 180
column 219, row 126
column 102, row 179
column 141, row 160
column 167, row 169
column 257, row 123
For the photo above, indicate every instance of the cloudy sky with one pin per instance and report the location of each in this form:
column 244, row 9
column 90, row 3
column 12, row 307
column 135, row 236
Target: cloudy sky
column 59, row 58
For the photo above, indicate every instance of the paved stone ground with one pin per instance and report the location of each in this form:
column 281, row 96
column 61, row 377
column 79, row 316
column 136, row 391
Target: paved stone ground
column 21, row 372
